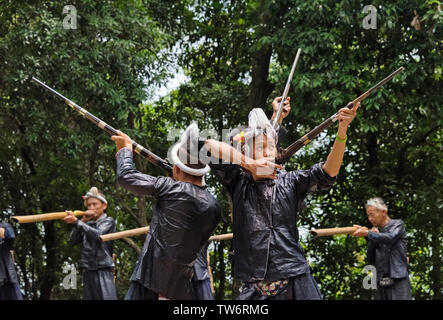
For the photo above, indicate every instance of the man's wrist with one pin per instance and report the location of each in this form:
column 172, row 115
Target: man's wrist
column 246, row 163
column 279, row 120
column 341, row 132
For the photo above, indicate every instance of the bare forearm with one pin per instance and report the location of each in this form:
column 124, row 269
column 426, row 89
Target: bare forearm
column 335, row 157
column 225, row 152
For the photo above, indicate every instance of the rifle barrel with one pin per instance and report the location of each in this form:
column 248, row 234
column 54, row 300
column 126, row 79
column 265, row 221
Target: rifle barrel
column 138, row 148
column 287, row 153
column 286, row 91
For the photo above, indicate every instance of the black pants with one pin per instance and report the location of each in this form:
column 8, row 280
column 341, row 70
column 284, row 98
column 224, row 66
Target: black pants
column 202, row 289
column 301, row 287
column 99, row 285
column 137, row 291
column 10, row 291
column 400, row 290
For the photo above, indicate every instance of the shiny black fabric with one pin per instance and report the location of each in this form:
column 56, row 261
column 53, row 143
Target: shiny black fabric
column 201, row 271
column 96, row 254
column 265, row 230
column 400, row 290
column 99, row 284
column 138, row 291
column 185, row 216
column 387, row 250
column 203, row 289
column 301, row 287
column 201, row 280
column 9, row 289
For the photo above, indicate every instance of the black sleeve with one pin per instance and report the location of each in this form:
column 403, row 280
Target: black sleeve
column 8, row 241
column 75, row 237
column 108, row 226
column 311, row 180
column 388, row 237
column 370, row 252
column 135, row 181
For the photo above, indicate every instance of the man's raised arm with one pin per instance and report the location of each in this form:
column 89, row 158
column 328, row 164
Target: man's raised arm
column 335, row 157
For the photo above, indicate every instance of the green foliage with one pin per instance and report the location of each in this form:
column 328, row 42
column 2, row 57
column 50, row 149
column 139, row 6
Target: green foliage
column 394, row 144
column 236, row 55
column 50, row 155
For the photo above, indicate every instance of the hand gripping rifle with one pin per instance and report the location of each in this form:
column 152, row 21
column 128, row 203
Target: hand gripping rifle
column 153, row 158
column 285, row 93
column 287, row 153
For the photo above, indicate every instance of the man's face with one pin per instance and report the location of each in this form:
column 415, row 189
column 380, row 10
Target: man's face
column 375, row 216
column 264, row 147
column 96, row 205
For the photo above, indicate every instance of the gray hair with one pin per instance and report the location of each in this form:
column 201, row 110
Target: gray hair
column 377, row 203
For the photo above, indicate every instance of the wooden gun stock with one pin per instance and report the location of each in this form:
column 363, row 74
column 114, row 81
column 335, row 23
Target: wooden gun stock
column 124, row 234
column 144, row 230
column 332, row 231
column 44, row 217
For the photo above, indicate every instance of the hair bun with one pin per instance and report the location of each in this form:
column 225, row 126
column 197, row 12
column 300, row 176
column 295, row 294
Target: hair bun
column 94, row 191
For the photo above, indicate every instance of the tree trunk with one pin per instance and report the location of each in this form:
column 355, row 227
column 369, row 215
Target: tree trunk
column 260, row 87
column 49, row 277
column 220, row 291
column 436, row 273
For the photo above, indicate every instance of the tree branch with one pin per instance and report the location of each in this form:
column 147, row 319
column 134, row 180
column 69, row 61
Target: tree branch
column 132, row 244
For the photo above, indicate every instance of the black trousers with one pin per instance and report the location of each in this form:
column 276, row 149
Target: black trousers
column 400, row 290
column 202, row 289
column 99, row 285
column 301, row 287
column 10, row 291
column 137, row 291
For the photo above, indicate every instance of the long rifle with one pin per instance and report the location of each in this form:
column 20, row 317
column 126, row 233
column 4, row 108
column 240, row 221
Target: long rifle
column 286, row 91
column 153, row 158
column 44, row 216
column 332, row 231
column 287, row 153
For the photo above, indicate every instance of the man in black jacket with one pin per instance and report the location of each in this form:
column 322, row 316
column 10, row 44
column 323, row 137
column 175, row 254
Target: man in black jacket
column 185, row 216
column 9, row 289
column 387, row 251
column 266, row 199
column 96, row 257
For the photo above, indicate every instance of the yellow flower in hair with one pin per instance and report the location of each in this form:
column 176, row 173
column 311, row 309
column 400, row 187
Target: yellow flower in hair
column 240, row 137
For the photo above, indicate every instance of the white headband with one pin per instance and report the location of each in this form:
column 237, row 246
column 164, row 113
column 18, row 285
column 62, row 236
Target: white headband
column 89, row 194
column 191, row 129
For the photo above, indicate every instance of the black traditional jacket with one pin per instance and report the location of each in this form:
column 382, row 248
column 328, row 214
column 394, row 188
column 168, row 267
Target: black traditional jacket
column 7, row 268
column 96, row 254
column 185, row 216
column 201, row 271
column 387, row 250
column 266, row 245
